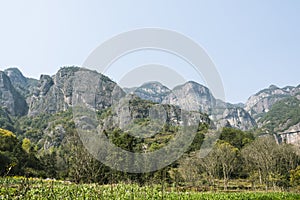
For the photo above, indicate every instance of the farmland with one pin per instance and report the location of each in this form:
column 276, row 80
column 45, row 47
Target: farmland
column 34, row 188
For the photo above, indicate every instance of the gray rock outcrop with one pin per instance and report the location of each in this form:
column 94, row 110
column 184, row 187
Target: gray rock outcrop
column 10, row 99
column 55, row 94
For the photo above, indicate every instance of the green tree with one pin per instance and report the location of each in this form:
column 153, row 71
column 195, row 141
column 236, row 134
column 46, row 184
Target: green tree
column 295, row 176
column 8, row 140
column 236, row 137
column 26, row 145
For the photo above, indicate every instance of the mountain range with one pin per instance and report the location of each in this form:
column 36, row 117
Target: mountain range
column 21, row 96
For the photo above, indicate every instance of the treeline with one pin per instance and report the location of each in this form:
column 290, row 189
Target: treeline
column 236, row 156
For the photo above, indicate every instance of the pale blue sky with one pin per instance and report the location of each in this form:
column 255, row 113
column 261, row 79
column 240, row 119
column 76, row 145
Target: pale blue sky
column 252, row 43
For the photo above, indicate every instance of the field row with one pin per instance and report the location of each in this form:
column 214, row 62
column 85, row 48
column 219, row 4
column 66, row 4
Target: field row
column 20, row 188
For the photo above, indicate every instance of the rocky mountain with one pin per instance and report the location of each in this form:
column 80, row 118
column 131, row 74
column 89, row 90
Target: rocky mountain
column 10, row 99
column 283, row 115
column 230, row 115
column 260, row 103
column 192, row 96
column 56, row 93
column 22, row 84
column 152, row 91
column 276, row 111
column 283, row 120
column 51, row 94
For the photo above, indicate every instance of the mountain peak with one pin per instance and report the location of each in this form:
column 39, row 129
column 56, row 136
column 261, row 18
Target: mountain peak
column 273, row 87
column 22, row 84
column 13, row 69
column 193, row 86
column 16, row 76
column 153, row 91
column 193, row 82
column 154, row 85
column 150, row 83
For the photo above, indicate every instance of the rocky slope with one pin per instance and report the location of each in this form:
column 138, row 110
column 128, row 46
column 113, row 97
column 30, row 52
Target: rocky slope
column 22, row 84
column 152, row 91
column 260, row 103
column 290, row 136
column 282, row 116
column 229, row 115
column 277, row 111
column 283, row 120
column 192, row 96
column 10, row 99
column 55, row 94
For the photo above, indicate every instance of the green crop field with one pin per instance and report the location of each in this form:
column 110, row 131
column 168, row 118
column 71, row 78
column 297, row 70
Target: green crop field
column 23, row 188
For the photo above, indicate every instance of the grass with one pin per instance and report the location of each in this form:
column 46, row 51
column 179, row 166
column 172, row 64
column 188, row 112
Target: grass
column 31, row 188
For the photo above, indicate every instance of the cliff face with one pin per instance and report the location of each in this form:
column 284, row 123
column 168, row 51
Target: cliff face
column 290, row 136
column 10, row 99
column 22, row 84
column 237, row 117
column 54, row 94
column 192, row 96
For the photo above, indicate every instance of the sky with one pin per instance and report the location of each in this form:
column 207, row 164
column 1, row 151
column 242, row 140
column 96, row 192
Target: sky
column 253, row 44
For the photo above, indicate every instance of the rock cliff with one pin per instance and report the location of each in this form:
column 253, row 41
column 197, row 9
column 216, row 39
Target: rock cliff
column 10, row 99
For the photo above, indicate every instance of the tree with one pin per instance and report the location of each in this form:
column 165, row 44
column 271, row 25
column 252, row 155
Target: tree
column 14, row 160
column 189, row 169
column 295, row 176
column 83, row 167
column 286, row 160
column 8, row 143
column 8, row 140
column 260, row 156
column 26, row 145
column 236, row 137
column 227, row 156
column 210, row 167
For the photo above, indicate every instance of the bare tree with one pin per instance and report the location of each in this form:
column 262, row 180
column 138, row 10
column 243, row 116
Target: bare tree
column 189, row 169
column 227, row 157
column 261, row 155
column 210, row 166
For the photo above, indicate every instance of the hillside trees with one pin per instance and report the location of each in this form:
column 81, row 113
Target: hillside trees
column 270, row 161
column 82, row 166
column 14, row 159
column 236, row 137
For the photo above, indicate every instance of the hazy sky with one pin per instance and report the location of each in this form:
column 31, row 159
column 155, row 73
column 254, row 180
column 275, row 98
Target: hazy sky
column 252, row 43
